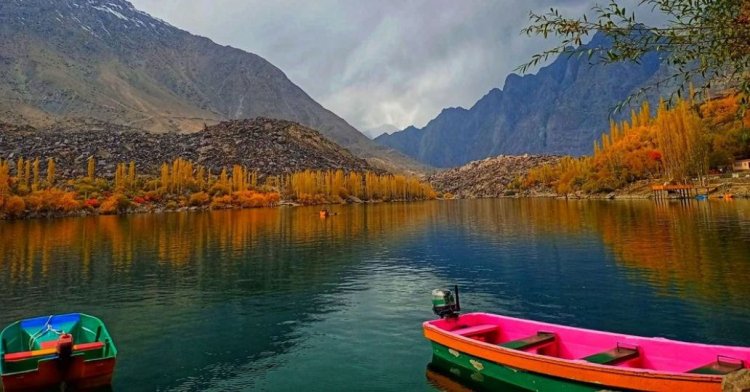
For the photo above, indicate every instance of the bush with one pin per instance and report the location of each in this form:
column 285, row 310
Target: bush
column 91, row 203
column 67, row 202
column 52, row 200
column 250, row 199
column 14, row 206
column 153, row 196
column 117, row 203
column 221, row 202
column 199, row 199
column 219, row 189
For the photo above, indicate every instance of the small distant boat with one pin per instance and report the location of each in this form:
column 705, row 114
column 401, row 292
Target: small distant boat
column 324, row 213
column 548, row 357
column 74, row 349
column 701, row 197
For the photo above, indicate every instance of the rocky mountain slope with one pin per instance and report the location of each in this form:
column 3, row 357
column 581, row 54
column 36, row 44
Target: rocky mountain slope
column 271, row 147
column 560, row 110
column 489, row 177
column 106, row 60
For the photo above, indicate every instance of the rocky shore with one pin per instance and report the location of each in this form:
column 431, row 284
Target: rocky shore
column 490, row 177
column 497, row 176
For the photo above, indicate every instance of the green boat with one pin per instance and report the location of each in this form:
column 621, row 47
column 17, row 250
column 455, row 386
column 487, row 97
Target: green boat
column 45, row 352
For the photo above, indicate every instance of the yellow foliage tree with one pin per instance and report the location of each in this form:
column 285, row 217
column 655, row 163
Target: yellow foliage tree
column 51, row 172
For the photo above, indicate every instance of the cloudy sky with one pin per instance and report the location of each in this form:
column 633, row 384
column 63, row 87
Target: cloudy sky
column 375, row 62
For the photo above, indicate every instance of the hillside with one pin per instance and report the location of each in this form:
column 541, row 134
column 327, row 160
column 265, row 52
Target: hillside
column 106, row 60
column 490, row 177
column 560, row 110
column 271, row 147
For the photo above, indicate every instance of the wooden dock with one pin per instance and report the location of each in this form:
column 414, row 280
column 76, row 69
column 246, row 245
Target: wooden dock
column 682, row 191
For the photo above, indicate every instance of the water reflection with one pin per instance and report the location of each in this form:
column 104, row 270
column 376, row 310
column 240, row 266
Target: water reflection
column 447, row 377
column 246, row 300
column 693, row 249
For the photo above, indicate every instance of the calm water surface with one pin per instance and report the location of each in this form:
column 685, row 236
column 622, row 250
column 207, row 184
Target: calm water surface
column 280, row 300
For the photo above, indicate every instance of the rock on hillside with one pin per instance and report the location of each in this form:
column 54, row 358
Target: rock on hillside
column 489, row 177
column 107, row 60
column 269, row 146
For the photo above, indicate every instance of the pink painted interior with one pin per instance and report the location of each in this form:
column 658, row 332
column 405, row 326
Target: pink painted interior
column 571, row 343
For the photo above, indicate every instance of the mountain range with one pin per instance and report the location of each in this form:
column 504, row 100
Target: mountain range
column 560, row 110
column 106, row 60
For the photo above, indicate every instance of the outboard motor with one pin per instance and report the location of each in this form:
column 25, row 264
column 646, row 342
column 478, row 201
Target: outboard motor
column 445, row 304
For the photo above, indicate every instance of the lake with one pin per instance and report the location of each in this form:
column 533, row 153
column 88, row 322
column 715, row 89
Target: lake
column 282, row 300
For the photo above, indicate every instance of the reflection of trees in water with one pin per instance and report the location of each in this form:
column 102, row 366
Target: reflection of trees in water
column 214, row 241
column 702, row 248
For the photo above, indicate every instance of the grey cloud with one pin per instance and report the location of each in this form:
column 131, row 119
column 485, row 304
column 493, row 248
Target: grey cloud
column 375, row 62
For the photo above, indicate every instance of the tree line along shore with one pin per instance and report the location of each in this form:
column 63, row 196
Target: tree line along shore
column 30, row 188
column 689, row 143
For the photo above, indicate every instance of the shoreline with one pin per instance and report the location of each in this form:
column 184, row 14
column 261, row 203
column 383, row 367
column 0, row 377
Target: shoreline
column 162, row 209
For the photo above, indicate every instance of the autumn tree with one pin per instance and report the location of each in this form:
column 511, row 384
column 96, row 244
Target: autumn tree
column 4, row 181
column 91, row 168
column 706, row 42
column 51, row 172
column 27, row 172
column 35, row 170
column 131, row 173
column 681, row 138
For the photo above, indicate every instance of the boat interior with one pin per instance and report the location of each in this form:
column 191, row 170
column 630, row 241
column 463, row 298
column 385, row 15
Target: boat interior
column 595, row 347
column 27, row 342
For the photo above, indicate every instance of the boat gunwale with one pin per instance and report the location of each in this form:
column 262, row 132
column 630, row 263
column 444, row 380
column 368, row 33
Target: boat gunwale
column 428, row 326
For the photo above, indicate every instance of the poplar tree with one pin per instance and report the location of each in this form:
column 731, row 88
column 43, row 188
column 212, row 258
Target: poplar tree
column 51, row 172
column 35, row 182
column 91, row 168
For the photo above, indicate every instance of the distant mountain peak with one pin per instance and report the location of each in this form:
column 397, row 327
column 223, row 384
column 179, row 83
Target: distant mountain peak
column 561, row 109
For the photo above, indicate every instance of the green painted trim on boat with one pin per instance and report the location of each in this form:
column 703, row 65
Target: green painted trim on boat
column 482, row 372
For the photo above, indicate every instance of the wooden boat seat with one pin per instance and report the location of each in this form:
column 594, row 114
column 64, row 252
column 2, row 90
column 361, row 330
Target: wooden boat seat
column 613, row 356
column 20, row 356
column 476, row 330
column 23, row 355
column 88, row 346
column 541, row 338
column 721, row 366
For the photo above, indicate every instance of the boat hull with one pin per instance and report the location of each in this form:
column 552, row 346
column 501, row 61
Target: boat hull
column 485, row 374
column 78, row 374
column 572, row 371
column 43, row 353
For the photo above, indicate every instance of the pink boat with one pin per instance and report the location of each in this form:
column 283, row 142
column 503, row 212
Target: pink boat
column 542, row 356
